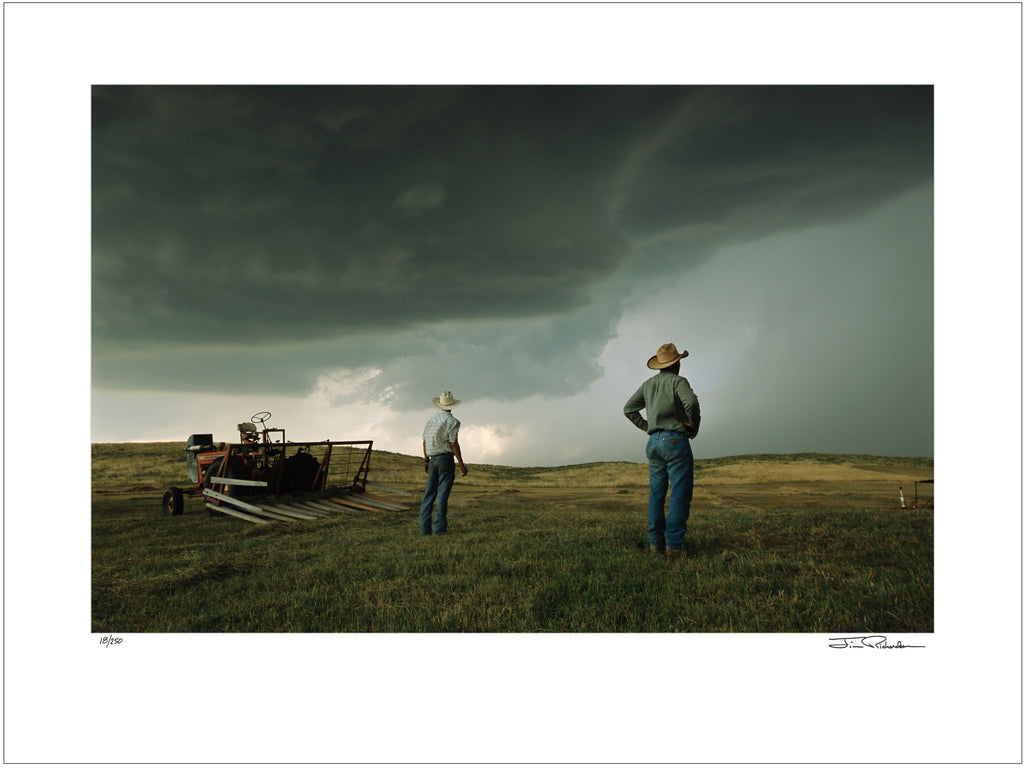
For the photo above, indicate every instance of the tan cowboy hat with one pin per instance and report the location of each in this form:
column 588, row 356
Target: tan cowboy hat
column 446, row 402
column 667, row 355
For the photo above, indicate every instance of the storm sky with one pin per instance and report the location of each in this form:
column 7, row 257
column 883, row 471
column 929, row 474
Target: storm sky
column 179, row 258
column 340, row 255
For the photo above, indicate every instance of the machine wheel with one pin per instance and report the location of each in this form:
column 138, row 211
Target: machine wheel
column 299, row 472
column 173, row 503
column 212, row 470
column 236, row 468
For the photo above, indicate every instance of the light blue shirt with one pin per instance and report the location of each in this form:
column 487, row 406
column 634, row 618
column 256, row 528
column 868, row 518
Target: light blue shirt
column 441, row 431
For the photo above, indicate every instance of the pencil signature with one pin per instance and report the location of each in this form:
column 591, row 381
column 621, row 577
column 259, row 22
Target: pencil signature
column 867, row 641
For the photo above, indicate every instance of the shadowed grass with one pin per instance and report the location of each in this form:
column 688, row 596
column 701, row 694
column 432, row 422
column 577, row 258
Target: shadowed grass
column 536, row 559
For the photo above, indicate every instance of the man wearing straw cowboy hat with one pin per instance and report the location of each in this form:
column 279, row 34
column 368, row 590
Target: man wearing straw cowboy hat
column 440, row 452
column 673, row 419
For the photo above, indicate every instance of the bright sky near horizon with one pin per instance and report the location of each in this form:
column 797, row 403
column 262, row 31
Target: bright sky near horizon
column 340, row 255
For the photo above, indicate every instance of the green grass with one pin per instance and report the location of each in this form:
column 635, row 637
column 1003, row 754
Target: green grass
column 526, row 553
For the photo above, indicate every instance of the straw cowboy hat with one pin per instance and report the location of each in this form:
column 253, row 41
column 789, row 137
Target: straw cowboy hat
column 446, row 402
column 667, row 355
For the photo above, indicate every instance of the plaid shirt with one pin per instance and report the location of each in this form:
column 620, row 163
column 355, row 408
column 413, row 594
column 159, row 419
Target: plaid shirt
column 441, row 431
column 669, row 402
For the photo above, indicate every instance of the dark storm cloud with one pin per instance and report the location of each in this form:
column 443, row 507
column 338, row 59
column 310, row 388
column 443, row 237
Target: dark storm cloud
column 738, row 163
column 298, row 213
column 255, row 216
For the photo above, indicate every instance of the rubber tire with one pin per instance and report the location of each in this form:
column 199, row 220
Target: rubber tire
column 173, row 501
column 212, row 469
column 300, row 471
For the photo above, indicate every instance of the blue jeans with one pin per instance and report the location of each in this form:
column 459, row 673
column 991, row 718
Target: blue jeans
column 440, row 477
column 671, row 461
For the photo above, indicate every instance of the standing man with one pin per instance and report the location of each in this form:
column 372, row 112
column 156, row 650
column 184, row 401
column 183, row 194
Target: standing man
column 440, row 452
column 673, row 419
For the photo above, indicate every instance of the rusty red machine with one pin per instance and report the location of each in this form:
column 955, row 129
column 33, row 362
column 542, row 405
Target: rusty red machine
column 265, row 477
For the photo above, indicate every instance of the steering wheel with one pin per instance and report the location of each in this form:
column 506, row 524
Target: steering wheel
column 261, row 417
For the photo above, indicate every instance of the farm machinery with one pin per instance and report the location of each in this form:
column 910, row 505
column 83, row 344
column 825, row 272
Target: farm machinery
column 264, row 477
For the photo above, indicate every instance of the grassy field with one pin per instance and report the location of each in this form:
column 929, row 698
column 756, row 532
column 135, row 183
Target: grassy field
column 796, row 543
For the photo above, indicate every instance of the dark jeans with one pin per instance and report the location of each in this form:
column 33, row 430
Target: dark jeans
column 440, row 477
column 671, row 461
